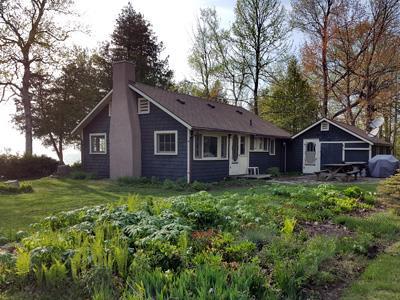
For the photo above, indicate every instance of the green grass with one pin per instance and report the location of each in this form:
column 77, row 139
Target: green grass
column 380, row 280
column 52, row 195
column 55, row 195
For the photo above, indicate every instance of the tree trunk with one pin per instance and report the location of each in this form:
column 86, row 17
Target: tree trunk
column 325, row 72
column 58, row 149
column 27, row 105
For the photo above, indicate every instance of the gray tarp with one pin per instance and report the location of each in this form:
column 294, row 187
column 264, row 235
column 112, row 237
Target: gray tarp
column 383, row 165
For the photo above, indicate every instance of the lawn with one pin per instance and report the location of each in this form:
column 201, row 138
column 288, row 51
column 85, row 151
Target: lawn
column 239, row 240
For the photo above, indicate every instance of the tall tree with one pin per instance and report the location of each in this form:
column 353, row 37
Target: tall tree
column 60, row 102
column 133, row 40
column 30, row 38
column 203, row 57
column 315, row 18
column 290, row 103
column 260, row 35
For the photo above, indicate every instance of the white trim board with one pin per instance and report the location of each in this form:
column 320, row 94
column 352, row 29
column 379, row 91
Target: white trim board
column 99, row 105
column 135, row 89
column 158, row 132
column 334, row 124
column 90, row 142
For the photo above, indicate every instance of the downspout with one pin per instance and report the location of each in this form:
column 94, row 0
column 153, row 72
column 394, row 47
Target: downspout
column 284, row 158
column 188, row 166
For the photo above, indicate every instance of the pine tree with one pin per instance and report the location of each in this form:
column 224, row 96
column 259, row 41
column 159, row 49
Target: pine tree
column 290, row 103
column 133, row 40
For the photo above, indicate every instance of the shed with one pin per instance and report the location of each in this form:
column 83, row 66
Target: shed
column 330, row 141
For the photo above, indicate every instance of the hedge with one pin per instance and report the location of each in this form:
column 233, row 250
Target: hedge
column 26, row 167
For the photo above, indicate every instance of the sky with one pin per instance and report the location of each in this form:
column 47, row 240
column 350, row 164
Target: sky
column 173, row 22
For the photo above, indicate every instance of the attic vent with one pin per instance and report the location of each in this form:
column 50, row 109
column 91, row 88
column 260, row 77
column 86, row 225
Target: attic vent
column 239, row 112
column 251, row 122
column 211, row 105
column 143, row 106
column 181, row 101
column 324, row 126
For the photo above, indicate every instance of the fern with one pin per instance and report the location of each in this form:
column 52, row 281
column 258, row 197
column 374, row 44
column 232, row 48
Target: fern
column 23, row 263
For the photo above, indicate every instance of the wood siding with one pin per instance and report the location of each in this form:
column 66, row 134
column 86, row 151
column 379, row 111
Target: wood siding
column 162, row 166
column 98, row 164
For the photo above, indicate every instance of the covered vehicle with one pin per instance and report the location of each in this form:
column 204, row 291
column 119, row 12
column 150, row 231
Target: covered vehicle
column 383, row 166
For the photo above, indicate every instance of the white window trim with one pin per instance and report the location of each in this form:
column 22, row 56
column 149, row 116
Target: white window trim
column 259, row 150
column 158, row 132
column 246, row 145
column 270, row 147
column 90, row 142
column 148, row 106
column 109, row 109
column 219, row 136
column 325, row 129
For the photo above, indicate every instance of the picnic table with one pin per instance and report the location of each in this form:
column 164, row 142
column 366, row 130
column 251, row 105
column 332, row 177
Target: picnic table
column 341, row 170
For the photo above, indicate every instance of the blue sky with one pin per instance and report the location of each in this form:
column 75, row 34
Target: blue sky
column 173, row 22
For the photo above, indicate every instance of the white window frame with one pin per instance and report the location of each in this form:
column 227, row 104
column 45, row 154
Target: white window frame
column 159, row 132
column 109, row 109
column 102, row 134
column 143, row 112
column 257, row 149
column 326, row 128
column 272, row 148
column 219, row 145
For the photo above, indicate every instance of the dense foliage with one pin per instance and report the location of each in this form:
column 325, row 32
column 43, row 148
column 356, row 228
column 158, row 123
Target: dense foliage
column 230, row 246
column 26, row 167
column 6, row 190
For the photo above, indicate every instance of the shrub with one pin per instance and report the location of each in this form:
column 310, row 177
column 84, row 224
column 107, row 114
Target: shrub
column 389, row 189
column 200, row 186
column 81, row 175
column 26, row 167
column 274, row 171
column 6, row 190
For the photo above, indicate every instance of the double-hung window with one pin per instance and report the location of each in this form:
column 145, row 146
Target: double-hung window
column 98, row 143
column 260, row 144
column 166, row 142
column 272, row 147
column 210, row 146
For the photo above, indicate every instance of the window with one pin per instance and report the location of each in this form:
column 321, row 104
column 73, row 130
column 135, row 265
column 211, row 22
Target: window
column 259, row 144
column 165, row 142
column 143, row 106
column 98, row 143
column 224, row 146
column 242, row 145
column 198, row 152
column 324, row 126
column 210, row 146
column 271, row 146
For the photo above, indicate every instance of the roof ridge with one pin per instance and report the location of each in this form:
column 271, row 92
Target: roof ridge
column 195, row 97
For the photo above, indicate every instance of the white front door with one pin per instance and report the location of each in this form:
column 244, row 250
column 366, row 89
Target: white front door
column 311, row 156
column 238, row 154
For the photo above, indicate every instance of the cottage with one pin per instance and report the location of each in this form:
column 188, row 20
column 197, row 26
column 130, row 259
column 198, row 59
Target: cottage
column 140, row 130
column 330, row 142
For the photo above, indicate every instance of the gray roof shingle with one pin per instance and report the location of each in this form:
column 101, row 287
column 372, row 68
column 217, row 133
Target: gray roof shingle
column 203, row 114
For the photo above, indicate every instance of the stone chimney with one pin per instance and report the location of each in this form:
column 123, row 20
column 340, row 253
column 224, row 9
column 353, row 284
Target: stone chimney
column 125, row 137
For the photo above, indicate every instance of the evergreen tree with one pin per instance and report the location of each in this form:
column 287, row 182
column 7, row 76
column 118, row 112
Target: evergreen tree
column 290, row 103
column 133, row 40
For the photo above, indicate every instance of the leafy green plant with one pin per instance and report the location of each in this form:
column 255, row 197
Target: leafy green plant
column 23, row 263
column 274, row 171
column 288, row 226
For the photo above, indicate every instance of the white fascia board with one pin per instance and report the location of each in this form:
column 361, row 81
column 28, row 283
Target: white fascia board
column 82, row 123
column 135, row 89
column 334, row 124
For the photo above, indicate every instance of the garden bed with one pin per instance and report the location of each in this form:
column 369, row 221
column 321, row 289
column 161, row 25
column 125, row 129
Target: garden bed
column 269, row 241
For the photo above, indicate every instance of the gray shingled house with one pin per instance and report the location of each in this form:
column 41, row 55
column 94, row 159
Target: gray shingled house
column 140, row 130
